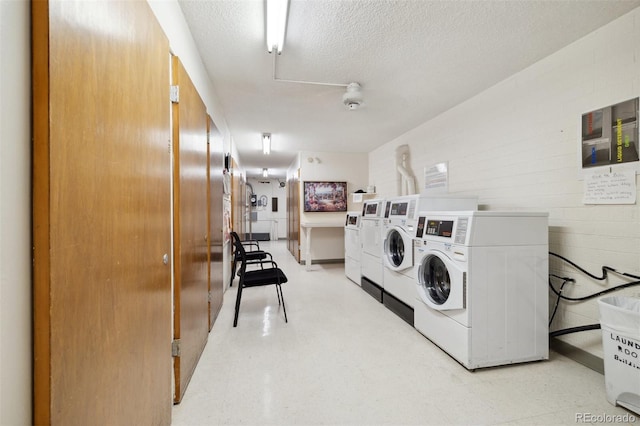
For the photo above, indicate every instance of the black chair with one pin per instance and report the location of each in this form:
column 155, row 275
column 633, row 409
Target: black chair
column 254, row 255
column 265, row 275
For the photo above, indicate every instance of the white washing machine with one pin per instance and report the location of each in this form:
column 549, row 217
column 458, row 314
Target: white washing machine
column 481, row 279
column 352, row 246
column 399, row 231
column 371, row 239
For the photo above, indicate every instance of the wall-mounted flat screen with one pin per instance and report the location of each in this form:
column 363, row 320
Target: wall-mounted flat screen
column 325, row 196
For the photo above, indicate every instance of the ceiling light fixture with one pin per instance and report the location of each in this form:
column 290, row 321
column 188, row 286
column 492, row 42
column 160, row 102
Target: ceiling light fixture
column 266, row 143
column 276, row 22
column 265, row 172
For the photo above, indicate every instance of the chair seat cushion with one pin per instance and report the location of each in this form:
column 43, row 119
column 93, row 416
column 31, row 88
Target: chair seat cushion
column 264, row 277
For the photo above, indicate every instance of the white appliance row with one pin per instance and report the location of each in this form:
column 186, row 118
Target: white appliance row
column 473, row 282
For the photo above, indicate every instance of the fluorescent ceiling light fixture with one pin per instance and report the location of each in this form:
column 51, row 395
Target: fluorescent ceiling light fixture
column 265, row 172
column 276, row 22
column 266, row 143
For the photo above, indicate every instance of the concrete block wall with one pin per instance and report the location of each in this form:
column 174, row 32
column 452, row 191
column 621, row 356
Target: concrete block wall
column 517, row 147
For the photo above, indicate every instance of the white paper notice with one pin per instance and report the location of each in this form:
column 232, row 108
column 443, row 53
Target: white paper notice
column 357, row 198
column 436, row 178
column 610, row 187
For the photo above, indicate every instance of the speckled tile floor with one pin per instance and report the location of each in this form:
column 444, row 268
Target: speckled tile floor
column 345, row 359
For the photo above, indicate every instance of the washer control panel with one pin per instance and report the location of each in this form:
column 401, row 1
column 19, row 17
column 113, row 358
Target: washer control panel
column 455, row 229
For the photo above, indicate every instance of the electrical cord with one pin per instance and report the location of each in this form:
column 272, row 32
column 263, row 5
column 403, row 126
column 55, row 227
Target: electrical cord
column 574, row 330
column 605, row 271
column 555, row 308
column 591, row 296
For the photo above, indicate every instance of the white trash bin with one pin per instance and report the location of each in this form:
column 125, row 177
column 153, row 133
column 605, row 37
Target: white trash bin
column 620, row 321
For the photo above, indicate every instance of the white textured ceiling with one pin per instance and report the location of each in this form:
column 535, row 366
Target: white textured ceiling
column 413, row 58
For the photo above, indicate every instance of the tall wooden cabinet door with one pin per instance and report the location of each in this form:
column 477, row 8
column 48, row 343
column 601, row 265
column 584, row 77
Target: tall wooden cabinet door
column 296, row 216
column 293, row 216
column 237, row 211
column 101, row 215
column 216, row 166
column 191, row 286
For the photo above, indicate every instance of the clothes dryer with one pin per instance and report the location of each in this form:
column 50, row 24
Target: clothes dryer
column 371, row 255
column 352, row 246
column 481, row 280
column 399, row 231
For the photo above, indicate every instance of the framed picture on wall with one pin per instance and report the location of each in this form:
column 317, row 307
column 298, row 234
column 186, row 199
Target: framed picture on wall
column 610, row 135
column 328, row 196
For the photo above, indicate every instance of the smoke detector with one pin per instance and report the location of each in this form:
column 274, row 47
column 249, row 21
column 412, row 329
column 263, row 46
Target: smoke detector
column 352, row 99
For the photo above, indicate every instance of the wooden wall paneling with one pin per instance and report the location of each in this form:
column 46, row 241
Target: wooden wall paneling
column 289, row 217
column 41, row 216
column 296, row 216
column 293, row 215
column 244, row 210
column 237, row 199
column 215, row 190
column 235, row 204
column 101, row 175
column 234, row 195
column 191, row 287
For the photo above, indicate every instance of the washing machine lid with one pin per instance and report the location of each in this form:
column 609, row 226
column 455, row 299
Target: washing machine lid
column 441, row 283
column 398, row 249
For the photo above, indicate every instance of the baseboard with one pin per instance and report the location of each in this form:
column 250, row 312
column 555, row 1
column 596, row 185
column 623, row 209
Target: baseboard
column 578, row 355
column 322, row 261
column 258, row 236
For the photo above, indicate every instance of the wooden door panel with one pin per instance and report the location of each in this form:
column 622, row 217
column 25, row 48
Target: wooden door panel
column 237, row 212
column 293, row 215
column 191, row 287
column 101, row 215
column 216, row 166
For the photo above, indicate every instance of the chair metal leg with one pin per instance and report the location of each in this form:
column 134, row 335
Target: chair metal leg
column 233, row 272
column 278, row 293
column 238, row 297
column 284, row 308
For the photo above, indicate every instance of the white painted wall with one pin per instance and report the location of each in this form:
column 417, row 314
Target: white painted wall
column 269, row 222
column 171, row 19
column 516, row 147
column 328, row 243
column 15, row 213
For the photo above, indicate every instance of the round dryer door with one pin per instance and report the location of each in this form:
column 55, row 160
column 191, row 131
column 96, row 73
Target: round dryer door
column 435, row 280
column 398, row 249
column 441, row 281
column 395, row 248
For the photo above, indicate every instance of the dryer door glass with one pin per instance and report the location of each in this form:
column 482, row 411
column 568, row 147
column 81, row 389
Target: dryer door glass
column 395, row 248
column 435, row 279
